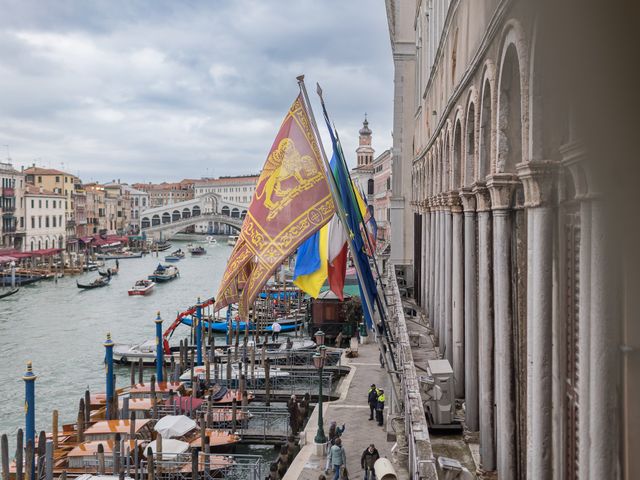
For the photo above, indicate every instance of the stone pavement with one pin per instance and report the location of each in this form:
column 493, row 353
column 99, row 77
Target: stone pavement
column 351, row 409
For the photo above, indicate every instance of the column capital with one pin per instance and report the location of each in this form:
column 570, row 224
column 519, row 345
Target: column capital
column 468, row 199
column 483, row 199
column 501, row 186
column 538, row 180
column 453, row 200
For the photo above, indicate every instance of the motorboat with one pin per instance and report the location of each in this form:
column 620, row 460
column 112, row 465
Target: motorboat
column 211, row 240
column 164, row 273
column 198, row 251
column 123, row 255
column 178, row 253
column 97, row 283
column 222, row 326
column 232, row 240
column 142, row 287
column 92, row 266
column 124, row 353
column 172, row 258
column 5, row 279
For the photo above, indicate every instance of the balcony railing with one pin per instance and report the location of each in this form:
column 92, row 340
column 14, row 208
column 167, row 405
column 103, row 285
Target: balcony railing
column 8, row 192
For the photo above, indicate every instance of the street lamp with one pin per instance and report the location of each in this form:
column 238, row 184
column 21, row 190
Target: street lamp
column 318, row 362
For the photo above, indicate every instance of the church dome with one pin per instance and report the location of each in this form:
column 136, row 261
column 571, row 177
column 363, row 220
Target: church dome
column 365, row 130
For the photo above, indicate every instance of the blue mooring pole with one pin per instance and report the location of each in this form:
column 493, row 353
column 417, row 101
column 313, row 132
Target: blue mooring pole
column 159, row 349
column 108, row 359
column 199, row 332
column 30, row 411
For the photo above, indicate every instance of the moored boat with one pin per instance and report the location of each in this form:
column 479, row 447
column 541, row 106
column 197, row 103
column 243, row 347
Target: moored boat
column 5, row 280
column 9, row 293
column 171, row 258
column 142, row 287
column 97, row 283
column 111, row 271
column 287, row 324
column 164, row 273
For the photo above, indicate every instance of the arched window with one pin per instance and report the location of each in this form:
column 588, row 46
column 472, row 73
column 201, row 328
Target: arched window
column 145, row 222
column 175, row 216
column 243, row 214
column 370, row 186
column 470, row 150
column 196, row 211
column 32, row 244
column 225, row 211
column 186, row 213
column 155, row 220
column 166, row 217
column 235, row 213
column 46, row 243
column 510, row 120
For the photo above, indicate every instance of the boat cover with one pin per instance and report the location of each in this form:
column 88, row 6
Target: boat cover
column 174, row 426
column 170, row 447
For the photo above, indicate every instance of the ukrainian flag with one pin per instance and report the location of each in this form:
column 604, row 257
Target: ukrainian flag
column 310, row 272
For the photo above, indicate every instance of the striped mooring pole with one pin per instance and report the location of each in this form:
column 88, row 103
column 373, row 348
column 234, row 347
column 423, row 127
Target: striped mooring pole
column 159, row 349
column 199, row 332
column 108, row 358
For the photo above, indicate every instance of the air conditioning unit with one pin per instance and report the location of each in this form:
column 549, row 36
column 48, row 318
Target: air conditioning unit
column 437, row 393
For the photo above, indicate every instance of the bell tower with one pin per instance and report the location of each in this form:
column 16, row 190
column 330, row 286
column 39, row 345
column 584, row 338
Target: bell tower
column 364, row 151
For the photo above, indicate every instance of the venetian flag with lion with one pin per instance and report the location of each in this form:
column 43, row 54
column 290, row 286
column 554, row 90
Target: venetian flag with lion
column 291, row 202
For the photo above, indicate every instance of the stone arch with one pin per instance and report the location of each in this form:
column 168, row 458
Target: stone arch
column 225, row 211
column 486, row 132
column 175, row 216
column 512, row 108
column 235, row 212
column 370, row 186
column 195, row 211
column 186, row 212
column 457, row 163
column 155, row 220
column 145, row 222
column 470, row 139
column 166, row 217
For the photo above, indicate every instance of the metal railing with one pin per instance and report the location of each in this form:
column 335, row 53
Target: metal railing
column 207, row 467
column 294, row 383
column 421, row 461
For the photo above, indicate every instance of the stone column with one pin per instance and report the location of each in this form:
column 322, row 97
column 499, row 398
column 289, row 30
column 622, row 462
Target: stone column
column 447, row 324
column 457, row 297
column 435, row 312
column 432, row 259
column 501, row 188
column 538, row 181
column 425, row 254
column 441, row 288
column 584, row 327
column 485, row 330
column 604, row 361
column 470, row 312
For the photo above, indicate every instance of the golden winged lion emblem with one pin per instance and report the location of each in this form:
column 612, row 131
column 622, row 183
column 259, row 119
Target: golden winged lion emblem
column 287, row 173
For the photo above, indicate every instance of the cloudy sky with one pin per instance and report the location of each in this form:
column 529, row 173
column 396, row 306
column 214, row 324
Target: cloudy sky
column 163, row 90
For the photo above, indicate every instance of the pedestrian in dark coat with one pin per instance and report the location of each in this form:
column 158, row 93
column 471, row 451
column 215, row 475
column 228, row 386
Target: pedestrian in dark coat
column 372, row 399
column 368, row 459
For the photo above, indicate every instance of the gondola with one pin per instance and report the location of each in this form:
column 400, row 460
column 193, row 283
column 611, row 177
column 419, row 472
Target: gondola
column 97, row 283
column 9, row 293
column 110, row 271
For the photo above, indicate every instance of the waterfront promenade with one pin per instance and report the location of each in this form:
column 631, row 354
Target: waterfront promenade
column 352, row 410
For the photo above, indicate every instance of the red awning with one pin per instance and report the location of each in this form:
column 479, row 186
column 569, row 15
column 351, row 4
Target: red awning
column 7, row 259
column 37, row 253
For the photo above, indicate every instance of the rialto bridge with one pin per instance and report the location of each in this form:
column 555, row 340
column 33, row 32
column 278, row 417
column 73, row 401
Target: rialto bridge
column 209, row 212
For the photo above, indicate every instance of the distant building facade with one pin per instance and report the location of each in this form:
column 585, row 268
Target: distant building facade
column 11, row 207
column 45, row 216
column 163, row 194
column 382, row 194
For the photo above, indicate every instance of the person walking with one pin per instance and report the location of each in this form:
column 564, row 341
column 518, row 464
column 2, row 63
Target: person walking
column 335, row 432
column 337, row 458
column 372, row 399
column 368, row 459
column 380, row 407
column 276, row 328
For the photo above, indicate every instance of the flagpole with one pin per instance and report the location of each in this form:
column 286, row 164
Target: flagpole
column 333, row 187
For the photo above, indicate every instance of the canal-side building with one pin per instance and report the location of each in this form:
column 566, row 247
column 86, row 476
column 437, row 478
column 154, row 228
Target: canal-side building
column 66, row 184
column 238, row 189
column 96, row 209
column 163, row 194
column 118, row 198
column 382, row 196
column 45, row 219
column 510, row 239
column 138, row 202
column 11, row 206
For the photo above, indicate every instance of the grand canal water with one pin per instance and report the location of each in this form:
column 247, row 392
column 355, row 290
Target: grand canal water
column 61, row 328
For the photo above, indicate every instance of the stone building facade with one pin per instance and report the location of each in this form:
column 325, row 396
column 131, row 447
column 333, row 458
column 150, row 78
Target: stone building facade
column 509, row 241
column 45, row 225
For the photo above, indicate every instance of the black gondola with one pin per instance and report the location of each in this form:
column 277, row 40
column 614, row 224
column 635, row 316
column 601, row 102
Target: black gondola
column 109, row 273
column 97, row 283
column 9, row 293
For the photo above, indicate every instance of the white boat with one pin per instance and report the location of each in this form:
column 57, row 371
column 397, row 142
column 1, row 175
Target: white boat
column 164, row 273
column 123, row 353
column 259, row 372
column 232, row 240
column 142, row 287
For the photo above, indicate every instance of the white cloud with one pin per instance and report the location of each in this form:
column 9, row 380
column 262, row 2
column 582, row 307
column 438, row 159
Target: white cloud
column 126, row 90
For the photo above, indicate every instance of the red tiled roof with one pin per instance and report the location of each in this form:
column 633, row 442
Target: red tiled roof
column 229, row 180
column 45, row 171
column 33, row 190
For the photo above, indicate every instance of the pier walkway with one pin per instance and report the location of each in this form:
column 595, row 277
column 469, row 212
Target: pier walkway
column 352, row 410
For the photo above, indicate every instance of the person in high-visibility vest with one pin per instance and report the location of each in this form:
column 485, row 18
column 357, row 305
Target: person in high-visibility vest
column 380, row 407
